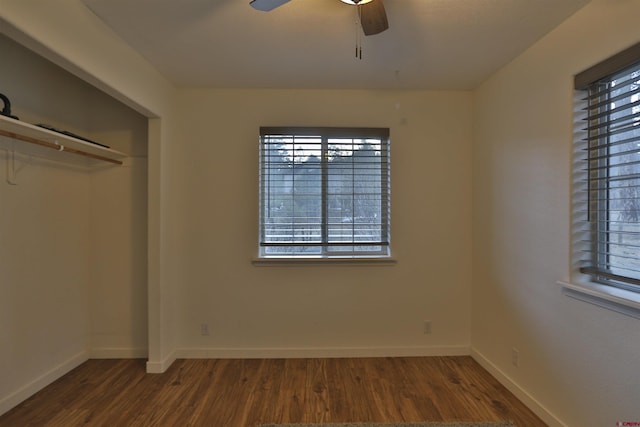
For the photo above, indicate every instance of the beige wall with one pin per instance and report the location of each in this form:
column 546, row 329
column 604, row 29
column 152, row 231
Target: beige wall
column 44, row 271
column 118, row 275
column 578, row 361
column 317, row 310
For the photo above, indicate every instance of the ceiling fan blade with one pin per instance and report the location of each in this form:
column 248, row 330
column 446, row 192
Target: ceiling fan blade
column 267, row 5
column 373, row 17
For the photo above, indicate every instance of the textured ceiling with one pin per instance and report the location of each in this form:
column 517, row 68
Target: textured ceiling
column 431, row 44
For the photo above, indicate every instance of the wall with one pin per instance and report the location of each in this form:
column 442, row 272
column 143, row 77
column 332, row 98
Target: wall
column 578, row 363
column 72, row 235
column 44, row 271
column 118, row 215
column 322, row 310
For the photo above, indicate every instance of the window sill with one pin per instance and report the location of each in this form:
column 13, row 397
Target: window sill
column 277, row 261
column 611, row 298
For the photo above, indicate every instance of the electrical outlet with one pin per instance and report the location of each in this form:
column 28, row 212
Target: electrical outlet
column 204, row 329
column 426, row 327
column 515, row 357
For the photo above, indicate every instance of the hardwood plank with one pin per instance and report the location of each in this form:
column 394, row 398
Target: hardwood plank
column 317, row 396
column 293, row 393
column 346, row 403
column 265, row 399
column 425, row 383
column 390, row 392
column 246, row 393
column 226, row 399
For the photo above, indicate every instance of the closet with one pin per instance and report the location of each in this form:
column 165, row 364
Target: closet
column 73, row 222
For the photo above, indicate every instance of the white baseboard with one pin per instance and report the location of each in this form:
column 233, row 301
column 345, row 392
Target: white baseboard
column 118, row 353
column 322, row 352
column 26, row 391
column 158, row 367
column 539, row 409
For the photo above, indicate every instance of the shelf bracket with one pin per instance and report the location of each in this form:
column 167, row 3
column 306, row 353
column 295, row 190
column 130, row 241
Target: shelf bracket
column 12, row 169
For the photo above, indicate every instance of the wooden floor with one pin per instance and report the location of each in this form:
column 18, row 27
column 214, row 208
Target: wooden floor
column 247, row 393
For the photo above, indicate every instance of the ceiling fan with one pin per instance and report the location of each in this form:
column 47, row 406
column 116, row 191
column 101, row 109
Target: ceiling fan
column 373, row 17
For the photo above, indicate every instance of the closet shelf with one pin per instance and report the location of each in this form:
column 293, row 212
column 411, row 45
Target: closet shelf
column 27, row 132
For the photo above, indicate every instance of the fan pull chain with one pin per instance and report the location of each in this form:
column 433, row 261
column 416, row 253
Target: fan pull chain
column 357, row 47
column 358, row 34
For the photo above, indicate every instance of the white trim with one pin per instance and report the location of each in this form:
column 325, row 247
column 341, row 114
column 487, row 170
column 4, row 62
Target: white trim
column 320, row 352
column 546, row 415
column 119, row 353
column 609, row 297
column 162, row 365
column 299, row 261
column 31, row 388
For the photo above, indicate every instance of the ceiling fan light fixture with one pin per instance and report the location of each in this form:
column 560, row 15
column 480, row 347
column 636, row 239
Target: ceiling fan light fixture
column 356, row 2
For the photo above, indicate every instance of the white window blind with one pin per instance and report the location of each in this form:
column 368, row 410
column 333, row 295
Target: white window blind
column 324, row 192
column 607, row 172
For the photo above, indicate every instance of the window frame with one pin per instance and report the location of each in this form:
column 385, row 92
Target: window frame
column 590, row 282
column 595, row 152
column 325, row 255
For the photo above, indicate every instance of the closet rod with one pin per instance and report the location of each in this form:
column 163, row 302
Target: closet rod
column 58, row 147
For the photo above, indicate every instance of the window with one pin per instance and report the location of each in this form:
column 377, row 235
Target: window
column 324, row 192
column 607, row 167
